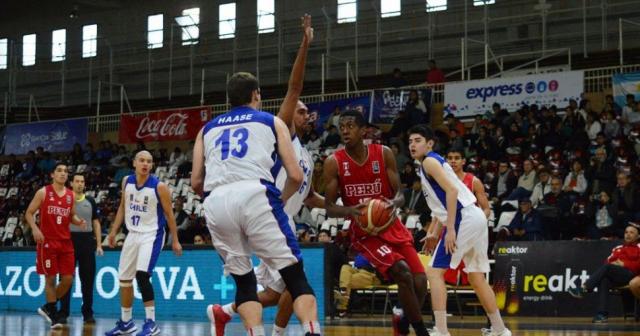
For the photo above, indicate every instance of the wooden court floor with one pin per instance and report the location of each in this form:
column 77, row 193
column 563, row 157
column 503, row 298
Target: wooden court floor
column 24, row 324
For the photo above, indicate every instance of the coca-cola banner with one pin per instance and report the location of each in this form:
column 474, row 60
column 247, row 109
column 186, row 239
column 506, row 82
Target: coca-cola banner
column 176, row 124
column 533, row 278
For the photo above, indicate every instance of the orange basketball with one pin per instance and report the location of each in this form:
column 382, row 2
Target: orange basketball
column 375, row 217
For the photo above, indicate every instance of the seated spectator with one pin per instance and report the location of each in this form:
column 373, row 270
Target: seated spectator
column 28, row 169
column 324, row 236
column 603, row 215
column 77, row 156
column 575, row 180
column 17, row 239
column 176, row 158
column 89, row 153
column 621, row 267
column 401, row 158
column 317, row 179
column 617, row 110
column 116, row 159
column 198, row 240
column 333, row 138
column 434, row 75
column 415, row 203
column 408, row 175
column 601, row 173
column 104, row 153
column 399, row 126
column 504, row 183
column 123, row 170
column 593, row 126
column 526, row 182
column 454, row 123
column 625, row 200
column 314, row 141
column 541, row 188
column 361, row 275
column 526, row 225
column 415, row 109
column 397, row 80
column 46, row 164
column 630, row 114
column 555, row 210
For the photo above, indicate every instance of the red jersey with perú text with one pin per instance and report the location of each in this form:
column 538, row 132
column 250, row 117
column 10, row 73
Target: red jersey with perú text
column 55, row 214
column 360, row 182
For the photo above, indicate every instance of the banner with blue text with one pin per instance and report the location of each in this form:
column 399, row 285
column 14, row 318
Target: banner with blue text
column 466, row 99
column 53, row 136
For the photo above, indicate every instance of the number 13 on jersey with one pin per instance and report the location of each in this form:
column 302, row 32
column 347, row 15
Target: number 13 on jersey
column 239, row 149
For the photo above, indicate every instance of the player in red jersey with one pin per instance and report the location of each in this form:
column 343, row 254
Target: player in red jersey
column 54, row 250
column 358, row 173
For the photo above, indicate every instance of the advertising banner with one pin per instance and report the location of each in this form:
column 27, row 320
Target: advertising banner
column 183, row 286
column 533, row 278
column 176, row 124
column 624, row 84
column 466, row 99
column 320, row 112
column 53, row 136
column 387, row 104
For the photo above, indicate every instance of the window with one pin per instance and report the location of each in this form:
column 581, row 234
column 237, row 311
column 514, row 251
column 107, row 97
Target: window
column 89, row 41
column 436, row 5
column 483, row 2
column 58, row 45
column 389, row 8
column 3, row 53
column 227, row 26
column 347, row 11
column 190, row 22
column 155, row 26
column 29, row 49
column 266, row 16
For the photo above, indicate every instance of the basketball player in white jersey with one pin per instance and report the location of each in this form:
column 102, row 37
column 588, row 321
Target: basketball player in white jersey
column 295, row 114
column 466, row 235
column 145, row 207
column 235, row 160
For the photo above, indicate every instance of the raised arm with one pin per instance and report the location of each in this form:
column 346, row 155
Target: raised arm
column 288, row 107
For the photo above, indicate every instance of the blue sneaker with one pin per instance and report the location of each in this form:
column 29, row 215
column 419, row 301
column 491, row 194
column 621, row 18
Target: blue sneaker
column 122, row 328
column 149, row 328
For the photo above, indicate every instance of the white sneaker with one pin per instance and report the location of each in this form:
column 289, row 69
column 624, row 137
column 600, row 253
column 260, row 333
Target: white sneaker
column 489, row 332
column 436, row 332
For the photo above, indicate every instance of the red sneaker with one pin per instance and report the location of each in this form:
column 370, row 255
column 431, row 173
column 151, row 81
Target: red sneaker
column 218, row 318
column 395, row 322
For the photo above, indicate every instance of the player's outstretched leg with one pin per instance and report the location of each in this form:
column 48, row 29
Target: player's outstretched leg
column 488, row 300
column 221, row 315
column 408, row 296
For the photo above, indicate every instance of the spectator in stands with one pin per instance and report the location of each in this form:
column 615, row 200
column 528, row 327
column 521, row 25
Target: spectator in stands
column 182, row 218
column 104, row 153
column 602, row 214
column 541, row 188
column 304, row 235
column 334, row 118
column 116, row 159
column 15, row 166
column 617, row 110
column 46, row 164
column 415, row 203
column 593, row 126
column 176, row 158
column 28, row 169
column 89, row 153
column 504, row 184
column 333, row 138
column 526, row 182
column 397, row 79
column 123, row 170
column 361, row 275
column 625, row 200
column 324, row 236
column 434, row 74
column 416, row 109
column 408, row 175
column 318, row 177
column 77, row 156
column 485, row 145
column 611, row 126
column 314, row 141
column 401, row 158
column 555, row 209
column 575, row 180
column 198, row 240
column 453, row 123
column 399, row 126
column 17, row 239
column 630, row 113
column 455, row 141
column 601, row 173
column 526, row 225
column 621, row 267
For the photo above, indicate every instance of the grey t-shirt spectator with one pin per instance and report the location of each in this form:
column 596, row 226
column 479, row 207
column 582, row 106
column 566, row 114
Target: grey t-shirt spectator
column 85, row 209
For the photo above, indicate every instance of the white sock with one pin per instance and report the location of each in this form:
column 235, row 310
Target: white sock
column 497, row 324
column 277, row 331
column 312, row 327
column 256, row 331
column 125, row 314
column 228, row 309
column 150, row 313
column 441, row 321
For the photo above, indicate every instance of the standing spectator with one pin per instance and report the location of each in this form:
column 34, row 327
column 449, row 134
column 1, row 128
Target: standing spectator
column 87, row 242
column 621, row 267
column 397, row 80
column 434, row 74
column 541, row 188
column 526, row 182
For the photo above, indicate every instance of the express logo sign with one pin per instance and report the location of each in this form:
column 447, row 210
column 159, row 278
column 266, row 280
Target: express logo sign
column 511, row 89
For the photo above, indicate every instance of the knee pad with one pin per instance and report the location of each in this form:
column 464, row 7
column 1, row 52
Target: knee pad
column 296, row 280
column 246, row 288
column 144, row 284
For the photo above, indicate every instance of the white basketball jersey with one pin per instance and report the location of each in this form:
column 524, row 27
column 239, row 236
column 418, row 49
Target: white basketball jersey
column 434, row 194
column 142, row 208
column 240, row 145
column 295, row 202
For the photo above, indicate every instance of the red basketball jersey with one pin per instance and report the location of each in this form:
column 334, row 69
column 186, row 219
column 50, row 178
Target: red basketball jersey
column 468, row 180
column 55, row 214
column 360, row 182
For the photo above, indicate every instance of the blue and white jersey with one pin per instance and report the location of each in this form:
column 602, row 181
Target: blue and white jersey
column 240, row 145
column 143, row 211
column 434, row 194
column 295, row 202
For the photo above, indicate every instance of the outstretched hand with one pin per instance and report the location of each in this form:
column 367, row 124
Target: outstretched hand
column 306, row 28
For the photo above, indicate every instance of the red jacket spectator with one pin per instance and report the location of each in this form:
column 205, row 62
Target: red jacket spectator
column 629, row 254
column 434, row 75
